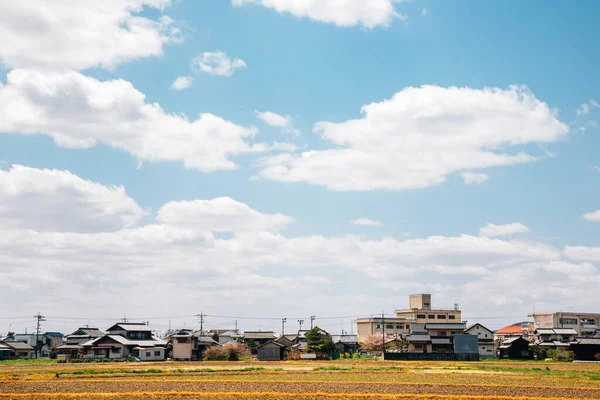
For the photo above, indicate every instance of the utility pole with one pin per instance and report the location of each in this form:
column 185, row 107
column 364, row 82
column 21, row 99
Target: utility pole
column 312, row 318
column 283, row 321
column 236, row 328
column 125, row 318
column 383, row 335
column 201, row 316
column 39, row 318
column 300, row 321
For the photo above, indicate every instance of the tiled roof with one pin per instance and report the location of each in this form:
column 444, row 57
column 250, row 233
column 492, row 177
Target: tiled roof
column 130, row 326
column 440, row 341
column 259, row 335
column 18, row 345
column 455, row 325
column 418, row 338
column 514, row 329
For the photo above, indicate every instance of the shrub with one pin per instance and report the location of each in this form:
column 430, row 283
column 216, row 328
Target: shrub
column 230, row 352
column 561, row 355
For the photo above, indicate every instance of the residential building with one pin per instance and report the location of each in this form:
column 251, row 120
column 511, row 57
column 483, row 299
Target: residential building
column 390, row 325
column 421, row 311
column 555, row 337
column 586, row 349
column 485, row 339
column 419, row 340
column 189, row 345
column 585, row 324
column 20, row 350
column 126, row 339
column 5, row 351
column 82, row 335
column 515, row 348
column 523, row 329
column 345, row 343
column 258, row 338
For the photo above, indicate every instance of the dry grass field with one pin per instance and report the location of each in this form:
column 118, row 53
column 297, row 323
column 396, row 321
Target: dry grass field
column 301, row 380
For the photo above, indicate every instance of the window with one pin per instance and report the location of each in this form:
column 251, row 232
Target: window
column 489, row 351
column 568, row 321
column 157, row 353
column 182, row 340
column 431, row 316
column 421, row 316
column 378, row 326
column 486, row 335
column 148, row 354
column 453, row 317
column 443, row 333
column 389, row 326
column 115, row 350
column 407, row 326
column 441, row 317
column 418, row 346
column 483, row 347
column 399, row 326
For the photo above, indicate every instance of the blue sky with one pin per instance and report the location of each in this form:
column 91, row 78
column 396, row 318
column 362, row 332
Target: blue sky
column 303, row 64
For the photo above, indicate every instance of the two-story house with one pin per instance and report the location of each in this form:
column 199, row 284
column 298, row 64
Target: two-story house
column 126, row 339
column 485, row 339
column 188, row 345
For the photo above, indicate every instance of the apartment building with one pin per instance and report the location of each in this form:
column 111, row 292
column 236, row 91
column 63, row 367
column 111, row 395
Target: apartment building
column 421, row 311
column 584, row 324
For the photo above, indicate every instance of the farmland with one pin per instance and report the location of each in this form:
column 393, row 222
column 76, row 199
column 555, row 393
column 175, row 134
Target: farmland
column 301, row 380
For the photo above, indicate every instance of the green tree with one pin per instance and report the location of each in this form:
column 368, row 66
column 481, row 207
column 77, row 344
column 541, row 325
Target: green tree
column 215, row 337
column 330, row 348
column 314, row 339
column 252, row 345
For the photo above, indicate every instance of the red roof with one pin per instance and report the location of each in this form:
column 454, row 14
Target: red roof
column 515, row 329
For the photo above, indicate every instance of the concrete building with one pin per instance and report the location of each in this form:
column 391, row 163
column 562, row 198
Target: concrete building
column 391, row 326
column 585, row 324
column 421, row 311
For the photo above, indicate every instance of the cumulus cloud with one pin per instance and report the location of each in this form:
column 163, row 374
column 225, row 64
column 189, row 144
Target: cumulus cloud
column 420, row 136
column 279, row 121
column 492, row 230
column 182, row 82
column 425, row 12
column 81, row 34
column 217, row 63
column 366, row 222
column 472, row 178
column 219, row 215
column 592, row 217
column 56, row 200
column 78, row 111
column 226, row 254
column 370, row 14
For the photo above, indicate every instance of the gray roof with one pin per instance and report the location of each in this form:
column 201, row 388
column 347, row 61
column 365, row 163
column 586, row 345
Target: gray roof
column 349, row 339
column 440, row 341
column 206, row 340
column 565, row 331
column 69, row 347
column 454, row 325
column 418, row 338
column 126, row 342
column 545, row 331
column 130, row 326
column 588, row 341
column 87, row 332
column 259, row 335
column 18, row 345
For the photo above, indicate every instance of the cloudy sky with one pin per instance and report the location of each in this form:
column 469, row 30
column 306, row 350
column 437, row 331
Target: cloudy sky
column 283, row 158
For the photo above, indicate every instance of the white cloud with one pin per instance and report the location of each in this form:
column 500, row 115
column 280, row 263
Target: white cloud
column 472, row 178
column 346, row 13
column 184, row 251
column 425, row 12
column 81, row 34
column 420, row 136
column 584, row 253
column 48, row 199
column 366, row 222
column 219, row 215
column 585, row 108
column 182, row 82
column 79, row 111
column 279, row 121
column 592, row 217
column 217, row 63
column 491, row 230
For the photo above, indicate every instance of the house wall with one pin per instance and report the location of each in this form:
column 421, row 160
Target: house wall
column 481, row 332
column 414, row 348
column 269, row 353
column 153, row 354
column 431, row 316
column 182, row 351
column 487, row 350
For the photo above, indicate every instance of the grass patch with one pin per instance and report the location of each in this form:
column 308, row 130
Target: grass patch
column 332, row 368
column 27, row 362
